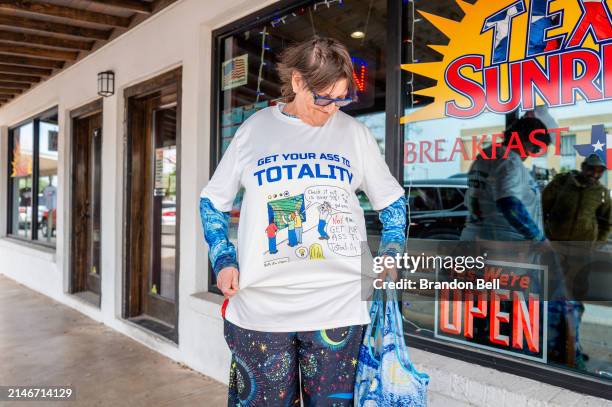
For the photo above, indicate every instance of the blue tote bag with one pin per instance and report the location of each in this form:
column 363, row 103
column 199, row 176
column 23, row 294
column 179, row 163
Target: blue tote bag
column 385, row 375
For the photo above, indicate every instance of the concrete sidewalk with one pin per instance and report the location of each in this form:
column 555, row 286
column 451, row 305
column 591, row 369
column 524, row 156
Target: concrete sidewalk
column 45, row 343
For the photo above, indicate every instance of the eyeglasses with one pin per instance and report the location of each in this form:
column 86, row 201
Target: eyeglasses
column 325, row 101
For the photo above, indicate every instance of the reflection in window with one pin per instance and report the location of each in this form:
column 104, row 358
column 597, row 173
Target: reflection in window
column 47, row 182
column 21, row 181
column 34, row 167
column 577, row 336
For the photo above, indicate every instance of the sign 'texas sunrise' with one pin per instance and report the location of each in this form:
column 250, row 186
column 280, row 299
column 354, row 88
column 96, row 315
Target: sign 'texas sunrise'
column 509, row 54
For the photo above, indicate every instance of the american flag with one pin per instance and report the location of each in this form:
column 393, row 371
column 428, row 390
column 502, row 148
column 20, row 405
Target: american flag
column 235, row 72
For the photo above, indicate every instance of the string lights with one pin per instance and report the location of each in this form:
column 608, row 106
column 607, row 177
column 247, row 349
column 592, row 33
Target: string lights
column 262, row 62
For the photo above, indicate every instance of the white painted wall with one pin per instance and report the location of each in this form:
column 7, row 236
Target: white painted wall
column 178, row 36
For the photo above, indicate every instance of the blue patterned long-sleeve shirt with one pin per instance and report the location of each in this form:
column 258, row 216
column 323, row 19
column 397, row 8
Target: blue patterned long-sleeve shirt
column 518, row 216
column 222, row 252
column 393, row 236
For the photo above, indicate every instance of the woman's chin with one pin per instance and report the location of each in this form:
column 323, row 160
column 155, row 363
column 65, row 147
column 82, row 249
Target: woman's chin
column 320, row 119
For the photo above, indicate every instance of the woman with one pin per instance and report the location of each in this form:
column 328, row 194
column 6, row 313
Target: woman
column 299, row 307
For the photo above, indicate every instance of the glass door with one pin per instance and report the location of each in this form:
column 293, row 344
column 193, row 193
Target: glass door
column 151, row 206
column 86, row 197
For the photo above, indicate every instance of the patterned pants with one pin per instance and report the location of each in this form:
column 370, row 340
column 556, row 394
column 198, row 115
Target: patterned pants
column 266, row 366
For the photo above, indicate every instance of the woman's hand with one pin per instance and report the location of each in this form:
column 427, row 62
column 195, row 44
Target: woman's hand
column 227, row 281
column 391, row 272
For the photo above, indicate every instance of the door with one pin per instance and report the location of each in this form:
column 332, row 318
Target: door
column 151, row 207
column 86, row 201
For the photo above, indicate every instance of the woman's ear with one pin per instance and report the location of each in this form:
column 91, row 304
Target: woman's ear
column 296, row 82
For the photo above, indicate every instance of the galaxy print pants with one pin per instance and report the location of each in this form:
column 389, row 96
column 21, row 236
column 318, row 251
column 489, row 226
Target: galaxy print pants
column 266, row 366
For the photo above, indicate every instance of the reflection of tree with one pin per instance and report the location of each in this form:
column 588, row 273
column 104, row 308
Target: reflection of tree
column 22, row 163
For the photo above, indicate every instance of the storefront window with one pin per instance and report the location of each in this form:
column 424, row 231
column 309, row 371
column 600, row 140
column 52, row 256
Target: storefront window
column 34, row 167
column 21, row 181
column 449, row 122
column 47, row 181
column 248, row 81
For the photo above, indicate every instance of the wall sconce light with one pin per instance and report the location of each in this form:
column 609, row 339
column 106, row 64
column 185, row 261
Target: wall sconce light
column 106, row 83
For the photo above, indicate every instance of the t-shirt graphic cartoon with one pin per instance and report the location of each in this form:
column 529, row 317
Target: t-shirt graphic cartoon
column 316, row 222
column 301, row 226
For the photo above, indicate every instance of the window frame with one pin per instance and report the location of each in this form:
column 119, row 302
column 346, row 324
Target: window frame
column 35, row 120
column 394, row 139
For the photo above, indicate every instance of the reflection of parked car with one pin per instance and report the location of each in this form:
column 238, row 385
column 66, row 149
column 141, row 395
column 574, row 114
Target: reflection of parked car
column 168, row 213
column 436, row 209
column 44, row 221
column 25, row 216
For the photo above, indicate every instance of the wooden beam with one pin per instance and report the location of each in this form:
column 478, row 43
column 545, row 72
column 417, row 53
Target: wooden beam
column 132, row 5
column 25, row 70
column 19, row 78
column 14, row 85
column 45, row 40
column 38, row 52
column 6, row 96
column 11, row 91
column 56, row 28
column 29, row 61
column 162, row 4
column 54, row 10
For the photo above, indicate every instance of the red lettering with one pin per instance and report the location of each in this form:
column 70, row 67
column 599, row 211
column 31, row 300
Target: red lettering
column 477, row 147
column 468, row 88
column 498, row 317
column 459, row 147
column 590, row 63
column 424, row 152
column 492, row 86
column 492, row 273
column 526, row 323
column 525, row 282
column 537, row 142
column 606, row 57
column 446, row 324
column 547, row 82
column 409, row 153
column 557, row 133
column 515, row 143
column 495, row 144
column 471, row 311
column 596, row 19
column 438, row 150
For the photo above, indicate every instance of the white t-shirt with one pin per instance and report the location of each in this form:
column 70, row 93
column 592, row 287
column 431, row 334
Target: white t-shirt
column 490, row 180
column 286, row 166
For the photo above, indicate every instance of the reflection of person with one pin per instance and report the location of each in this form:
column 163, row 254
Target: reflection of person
column 275, row 318
column 577, row 208
column 325, row 211
column 504, row 201
column 503, row 197
column 576, row 205
column 271, row 233
column 50, row 201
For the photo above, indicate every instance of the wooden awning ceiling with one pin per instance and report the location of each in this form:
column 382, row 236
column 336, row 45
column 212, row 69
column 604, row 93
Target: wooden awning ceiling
column 39, row 38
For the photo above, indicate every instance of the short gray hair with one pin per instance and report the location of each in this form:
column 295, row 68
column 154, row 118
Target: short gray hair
column 320, row 61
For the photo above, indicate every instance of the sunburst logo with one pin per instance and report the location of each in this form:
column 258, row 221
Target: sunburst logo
column 509, row 54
